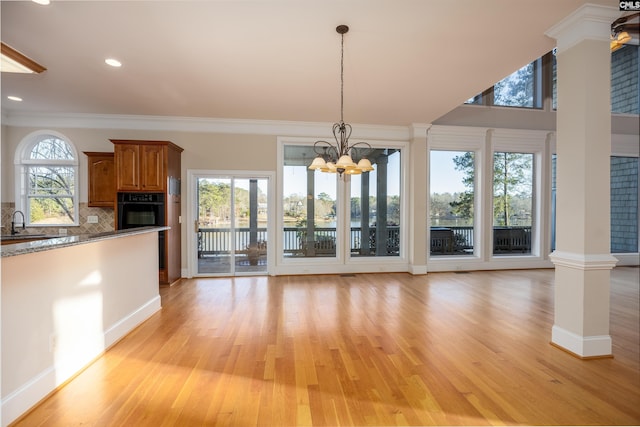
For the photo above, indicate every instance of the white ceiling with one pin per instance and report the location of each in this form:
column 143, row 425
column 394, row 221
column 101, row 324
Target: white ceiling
column 406, row 61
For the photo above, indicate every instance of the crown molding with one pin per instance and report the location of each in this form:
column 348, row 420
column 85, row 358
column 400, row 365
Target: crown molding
column 588, row 22
column 197, row 124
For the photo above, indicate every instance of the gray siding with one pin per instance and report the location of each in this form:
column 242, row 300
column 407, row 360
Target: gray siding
column 625, row 93
column 624, row 204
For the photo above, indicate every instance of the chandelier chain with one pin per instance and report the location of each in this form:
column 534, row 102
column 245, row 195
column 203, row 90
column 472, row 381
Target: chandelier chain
column 342, row 79
column 337, row 159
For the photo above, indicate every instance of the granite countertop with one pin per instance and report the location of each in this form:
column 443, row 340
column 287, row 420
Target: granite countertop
column 6, row 237
column 48, row 242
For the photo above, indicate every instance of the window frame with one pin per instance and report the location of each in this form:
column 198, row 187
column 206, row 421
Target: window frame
column 474, row 224
column 343, row 262
column 487, row 97
column 484, row 142
column 468, row 140
column 23, row 162
column 534, row 143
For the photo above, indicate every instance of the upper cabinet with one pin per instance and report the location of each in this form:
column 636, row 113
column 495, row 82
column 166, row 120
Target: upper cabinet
column 143, row 165
column 127, row 159
column 102, row 179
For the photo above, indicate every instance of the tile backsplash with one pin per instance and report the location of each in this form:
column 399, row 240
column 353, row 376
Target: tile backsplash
column 104, row 215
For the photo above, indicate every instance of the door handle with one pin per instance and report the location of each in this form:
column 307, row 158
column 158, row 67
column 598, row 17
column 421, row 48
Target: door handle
column 195, row 223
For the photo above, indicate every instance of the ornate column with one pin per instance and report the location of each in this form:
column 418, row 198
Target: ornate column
column 582, row 257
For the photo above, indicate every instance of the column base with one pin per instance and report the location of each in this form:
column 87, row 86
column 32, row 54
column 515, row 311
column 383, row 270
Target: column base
column 417, row 270
column 590, row 347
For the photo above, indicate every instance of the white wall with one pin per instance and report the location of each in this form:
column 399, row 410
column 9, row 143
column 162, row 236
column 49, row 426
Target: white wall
column 62, row 308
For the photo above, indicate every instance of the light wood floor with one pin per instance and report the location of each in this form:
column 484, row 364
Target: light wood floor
column 373, row 349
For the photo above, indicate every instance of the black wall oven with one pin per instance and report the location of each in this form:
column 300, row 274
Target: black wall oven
column 143, row 210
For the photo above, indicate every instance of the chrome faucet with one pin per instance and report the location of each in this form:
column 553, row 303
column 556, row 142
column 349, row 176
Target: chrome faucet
column 13, row 222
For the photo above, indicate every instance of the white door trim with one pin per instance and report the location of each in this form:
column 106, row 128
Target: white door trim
column 192, row 175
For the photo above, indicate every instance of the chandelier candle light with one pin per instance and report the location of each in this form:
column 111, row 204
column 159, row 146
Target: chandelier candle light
column 337, row 158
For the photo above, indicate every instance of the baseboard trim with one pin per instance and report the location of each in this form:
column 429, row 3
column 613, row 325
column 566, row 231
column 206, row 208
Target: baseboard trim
column 577, row 356
column 34, row 391
column 584, row 347
column 418, row 270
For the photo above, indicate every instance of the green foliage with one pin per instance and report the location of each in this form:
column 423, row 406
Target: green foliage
column 512, row 186
column 462, row 206
column 214, row 200
column 511, row 181
column 51, row 194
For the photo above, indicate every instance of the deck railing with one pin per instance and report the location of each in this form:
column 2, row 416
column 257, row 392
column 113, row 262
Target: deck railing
column 444, row 240
column 217, row 241
column 459, row 240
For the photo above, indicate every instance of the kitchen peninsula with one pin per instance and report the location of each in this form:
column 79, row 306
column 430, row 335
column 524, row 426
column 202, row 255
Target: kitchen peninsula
column 65, row 301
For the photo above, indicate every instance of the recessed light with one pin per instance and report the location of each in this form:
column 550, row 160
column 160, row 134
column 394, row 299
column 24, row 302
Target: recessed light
column 14, row 98
column 113, row 62
column 42, row 2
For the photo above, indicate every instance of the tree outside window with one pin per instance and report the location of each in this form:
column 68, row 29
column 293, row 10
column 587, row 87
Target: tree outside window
column 451, row 201
column 512, row 202
column 512, row 189
column 50, row 174
column 517, row 89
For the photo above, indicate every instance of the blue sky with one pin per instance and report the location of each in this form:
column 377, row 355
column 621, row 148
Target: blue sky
column 443, row 176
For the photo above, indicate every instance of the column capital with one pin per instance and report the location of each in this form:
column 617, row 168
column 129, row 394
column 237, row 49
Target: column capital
column 419, row 130
column 589, row 22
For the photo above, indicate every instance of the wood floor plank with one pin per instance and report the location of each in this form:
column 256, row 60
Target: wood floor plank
column 373, row 349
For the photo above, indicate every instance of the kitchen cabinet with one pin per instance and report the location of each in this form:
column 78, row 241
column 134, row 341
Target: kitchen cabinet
column 154, row 167
column 102, row 179
column 142, row 165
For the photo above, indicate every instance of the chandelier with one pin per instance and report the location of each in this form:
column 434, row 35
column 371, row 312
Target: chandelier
column 337, row 158
column 620, row 29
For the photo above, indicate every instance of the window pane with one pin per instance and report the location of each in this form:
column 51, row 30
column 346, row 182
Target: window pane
column 51, row 148
column 375, row 206
column 309, row 206
column 214, row 216
column 51, row 180
column 476, row 100
column 451, row 176
column 51, row 210
column 250, row 227
column 512, row 202
column 49, row 173
column 516, row 90
column 624, row 204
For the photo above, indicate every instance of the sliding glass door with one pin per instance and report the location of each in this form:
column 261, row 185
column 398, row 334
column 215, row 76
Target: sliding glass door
column 231, row 225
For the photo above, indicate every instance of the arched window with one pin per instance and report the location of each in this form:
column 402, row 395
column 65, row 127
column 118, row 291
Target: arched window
column 47, row 180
